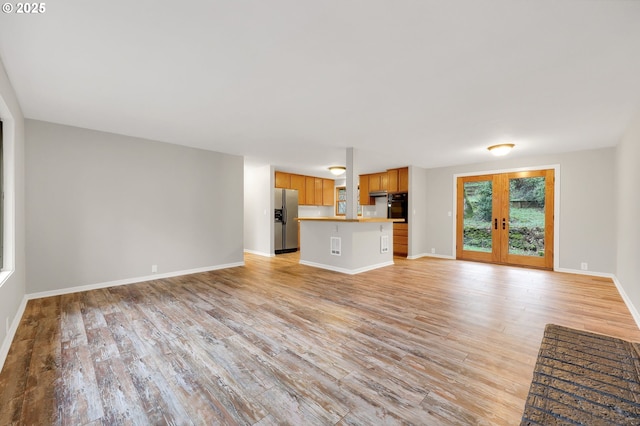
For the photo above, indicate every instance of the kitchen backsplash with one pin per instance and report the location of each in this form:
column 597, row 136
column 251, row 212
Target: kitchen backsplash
column 379, row 210
column 316, row 211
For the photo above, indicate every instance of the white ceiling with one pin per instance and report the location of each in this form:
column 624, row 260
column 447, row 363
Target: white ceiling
column 295, row 82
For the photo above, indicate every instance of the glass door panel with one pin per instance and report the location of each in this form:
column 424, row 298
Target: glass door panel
column 528, row 240
column 478, row 213
column 527, row 216
column 474, row 227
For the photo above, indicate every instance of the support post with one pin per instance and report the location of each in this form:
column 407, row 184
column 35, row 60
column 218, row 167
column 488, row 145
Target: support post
column 352, row 184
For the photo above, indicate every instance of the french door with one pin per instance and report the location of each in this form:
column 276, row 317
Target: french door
column 506, row 218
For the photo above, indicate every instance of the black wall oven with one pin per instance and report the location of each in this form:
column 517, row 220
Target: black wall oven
column 398, row 206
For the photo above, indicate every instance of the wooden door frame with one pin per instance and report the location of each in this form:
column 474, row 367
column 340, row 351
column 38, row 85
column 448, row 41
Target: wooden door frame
column 556, row 204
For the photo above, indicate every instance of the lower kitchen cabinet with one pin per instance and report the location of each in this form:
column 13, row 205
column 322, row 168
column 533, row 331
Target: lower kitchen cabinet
column 401, row 239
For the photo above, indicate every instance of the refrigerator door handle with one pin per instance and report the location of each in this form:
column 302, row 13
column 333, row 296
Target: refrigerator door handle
column 284, row 215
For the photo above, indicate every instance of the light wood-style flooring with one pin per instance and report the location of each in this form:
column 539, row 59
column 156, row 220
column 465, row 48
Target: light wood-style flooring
column 425, row 342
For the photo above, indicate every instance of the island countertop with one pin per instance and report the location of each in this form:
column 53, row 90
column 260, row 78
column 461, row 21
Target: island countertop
column 344, row 219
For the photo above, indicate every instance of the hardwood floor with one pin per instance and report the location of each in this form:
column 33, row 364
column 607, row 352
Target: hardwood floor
column 425, row 341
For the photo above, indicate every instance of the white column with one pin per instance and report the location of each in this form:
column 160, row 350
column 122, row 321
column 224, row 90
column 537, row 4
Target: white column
column 352, row 185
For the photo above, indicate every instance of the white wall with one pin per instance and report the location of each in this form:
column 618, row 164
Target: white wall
column 360, row 244
column 587, row 206
column 379, row 209
column 12, row 284
column 103, row 207
column 258, row 209
column 419, row 212
column 439, row 226
column 628, row 217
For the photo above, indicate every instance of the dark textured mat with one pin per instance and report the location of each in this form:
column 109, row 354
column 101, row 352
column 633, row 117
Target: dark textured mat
column 582, row 378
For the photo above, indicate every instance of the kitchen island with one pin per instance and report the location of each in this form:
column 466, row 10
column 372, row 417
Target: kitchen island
column 350, row 246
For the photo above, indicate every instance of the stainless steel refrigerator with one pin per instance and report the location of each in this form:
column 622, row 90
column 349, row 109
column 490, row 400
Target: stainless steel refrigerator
column 286, row 228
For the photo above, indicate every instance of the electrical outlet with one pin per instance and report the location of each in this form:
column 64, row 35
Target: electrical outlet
column 384, row 243
column 336, row 246
column 584, row 266
column 433, row 251
column 154, row 269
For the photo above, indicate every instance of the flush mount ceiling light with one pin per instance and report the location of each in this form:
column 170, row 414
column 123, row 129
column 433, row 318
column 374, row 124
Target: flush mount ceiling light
column 337, row 170
column 502, row 149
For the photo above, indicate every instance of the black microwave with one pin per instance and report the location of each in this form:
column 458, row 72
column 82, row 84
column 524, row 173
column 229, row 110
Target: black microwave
column 398, row 206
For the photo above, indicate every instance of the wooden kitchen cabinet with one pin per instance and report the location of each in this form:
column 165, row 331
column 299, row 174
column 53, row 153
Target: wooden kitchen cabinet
column 365, row 200
column 398, row 180
column 403, row 179
column 328, row 187
column 298, row 182
column 383, row 181
column 374, row 182
column 310, row 190
column 318, row 189
column 400, row 239
column 378, row 181
column 392, row 180
column 283, row 180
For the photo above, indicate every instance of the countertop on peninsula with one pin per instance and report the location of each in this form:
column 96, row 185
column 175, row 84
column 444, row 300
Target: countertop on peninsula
column 344, row 219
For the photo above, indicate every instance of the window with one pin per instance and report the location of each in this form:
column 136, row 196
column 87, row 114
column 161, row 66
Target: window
column 1, row 201
column 341, row 200
column 7, row 192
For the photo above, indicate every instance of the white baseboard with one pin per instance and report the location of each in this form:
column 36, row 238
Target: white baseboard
column 126, row 281
column 581, row 272
column 627, row 301
column 439, row 256
column 345, row 270
column 8, row 339
column 259, row 253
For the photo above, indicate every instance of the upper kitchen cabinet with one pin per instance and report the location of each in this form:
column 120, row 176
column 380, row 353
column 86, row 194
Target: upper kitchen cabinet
column 378, row 182
column 292, row 181
column 310, row 188
column 392, row 180
column 298, row 182
column 365, row 200
column 319, row 193
column 398, row 180
column 312, row 191
column 403, row 179
column 328, row 186
column 384, row 181
column 283, row 180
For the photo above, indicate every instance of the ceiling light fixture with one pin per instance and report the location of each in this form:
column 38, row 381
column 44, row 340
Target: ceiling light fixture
column 337, row 170
column 502, row 149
